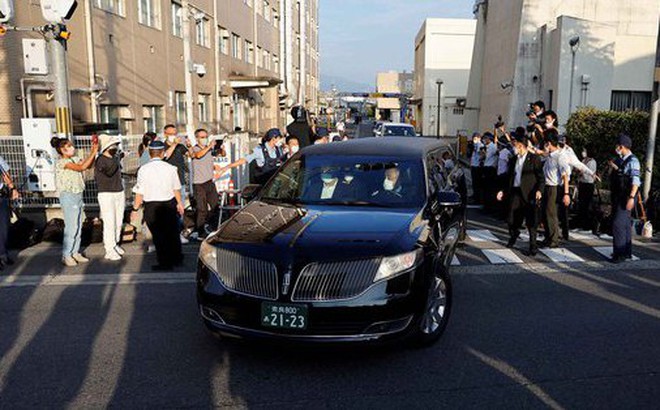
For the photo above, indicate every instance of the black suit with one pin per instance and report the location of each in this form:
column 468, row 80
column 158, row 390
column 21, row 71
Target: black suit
column 522, row 201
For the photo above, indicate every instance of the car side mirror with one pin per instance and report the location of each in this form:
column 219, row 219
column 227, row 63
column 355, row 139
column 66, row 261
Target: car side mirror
column 449, row 199
column 250, row 192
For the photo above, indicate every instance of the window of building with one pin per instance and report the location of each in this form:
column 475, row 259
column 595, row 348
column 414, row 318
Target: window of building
column 149, row 13
column 267, row 60
column 631, row 100
column 202, row 32
column 177, row 20
column 204, row 107
column 236, row 48
column 224, row 41
column 112, row 6
column 276, row 64
column 180, row 107
column 276, row 18
column 112, row 114
column 266, row 10
column 260, row 59
column 249, row 52
column 152, row 116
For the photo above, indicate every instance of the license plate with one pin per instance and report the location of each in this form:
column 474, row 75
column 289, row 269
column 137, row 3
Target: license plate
column 282, row 316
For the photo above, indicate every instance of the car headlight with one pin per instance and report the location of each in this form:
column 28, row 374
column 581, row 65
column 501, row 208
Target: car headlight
column 393, row 265
column 208, row 254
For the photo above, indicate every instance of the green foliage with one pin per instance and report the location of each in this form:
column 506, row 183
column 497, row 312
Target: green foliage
column 598, row 130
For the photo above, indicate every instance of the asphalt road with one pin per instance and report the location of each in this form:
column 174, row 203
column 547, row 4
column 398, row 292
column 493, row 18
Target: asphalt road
column 532, row 340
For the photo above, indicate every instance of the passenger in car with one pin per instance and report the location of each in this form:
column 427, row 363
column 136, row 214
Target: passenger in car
column 391, row 184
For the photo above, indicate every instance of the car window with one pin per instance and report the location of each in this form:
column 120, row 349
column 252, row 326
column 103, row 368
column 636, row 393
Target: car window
column 349, row 180
column 399, row 131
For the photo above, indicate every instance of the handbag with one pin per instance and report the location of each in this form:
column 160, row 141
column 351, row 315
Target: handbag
column 640, row 224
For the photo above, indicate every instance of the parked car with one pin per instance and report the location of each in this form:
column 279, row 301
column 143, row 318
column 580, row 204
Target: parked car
column 397, row 130
column 348, row 242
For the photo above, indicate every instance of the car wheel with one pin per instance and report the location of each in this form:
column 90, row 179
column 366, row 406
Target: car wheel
column 437, row 308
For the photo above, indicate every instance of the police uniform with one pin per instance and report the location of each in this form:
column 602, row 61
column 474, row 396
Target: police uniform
column 621, row 184
column 267, row 159
column 156, row 182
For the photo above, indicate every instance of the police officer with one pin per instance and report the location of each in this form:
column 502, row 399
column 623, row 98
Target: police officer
column 269, row 156
column 625, row 182
column 158, row 187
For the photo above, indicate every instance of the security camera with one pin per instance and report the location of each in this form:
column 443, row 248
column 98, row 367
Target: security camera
column 6, row 11
column 57, row 11
column 199, row 69
column 574, row 41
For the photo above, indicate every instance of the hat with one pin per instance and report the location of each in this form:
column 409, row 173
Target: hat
column 273, row 133
column 157, row 145
column 107, row 141
column 624, row 140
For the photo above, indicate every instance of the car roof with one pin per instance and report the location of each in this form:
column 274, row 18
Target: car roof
column 397, row 124
column 405, row 147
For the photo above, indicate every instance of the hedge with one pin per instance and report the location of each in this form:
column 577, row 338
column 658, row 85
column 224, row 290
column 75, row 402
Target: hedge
column 598, row 130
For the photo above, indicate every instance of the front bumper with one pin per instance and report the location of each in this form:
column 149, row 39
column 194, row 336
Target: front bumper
column 385, row 312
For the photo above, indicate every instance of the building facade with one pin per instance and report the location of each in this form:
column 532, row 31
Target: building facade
column 126, row 67
column 399, row 86
column 523, row 53
column 443, row 57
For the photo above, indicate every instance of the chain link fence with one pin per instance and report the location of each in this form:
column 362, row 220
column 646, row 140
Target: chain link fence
column 237, row 145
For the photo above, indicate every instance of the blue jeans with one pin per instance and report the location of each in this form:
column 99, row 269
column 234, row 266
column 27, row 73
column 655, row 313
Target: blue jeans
column 73, row 210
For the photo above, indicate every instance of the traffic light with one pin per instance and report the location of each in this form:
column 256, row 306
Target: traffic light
column 57, row 11
column 6, row 11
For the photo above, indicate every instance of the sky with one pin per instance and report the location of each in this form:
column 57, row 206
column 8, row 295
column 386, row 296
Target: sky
column 362, row 37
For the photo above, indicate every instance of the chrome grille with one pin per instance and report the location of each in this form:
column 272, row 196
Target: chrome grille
column 320, row 282
column 249, row 276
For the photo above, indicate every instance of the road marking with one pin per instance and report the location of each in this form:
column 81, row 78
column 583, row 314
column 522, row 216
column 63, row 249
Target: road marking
column 606, row 251
column 97, row 279
column 561, row 255
column 481, row 235
column 501, row 256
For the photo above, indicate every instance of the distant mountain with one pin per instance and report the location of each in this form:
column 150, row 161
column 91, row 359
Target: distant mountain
column 344, row 84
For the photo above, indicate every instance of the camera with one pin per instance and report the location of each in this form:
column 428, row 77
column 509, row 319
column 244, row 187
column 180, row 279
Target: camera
column 199, row 69
column 499, row 123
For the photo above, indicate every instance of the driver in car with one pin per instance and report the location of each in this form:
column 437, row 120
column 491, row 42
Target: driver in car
column 391, row 184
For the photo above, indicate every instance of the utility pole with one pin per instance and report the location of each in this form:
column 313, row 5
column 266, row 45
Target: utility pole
column 60, row 77
column 437, row 124
column 653, row 127
column 188, row 64
column 574, row 42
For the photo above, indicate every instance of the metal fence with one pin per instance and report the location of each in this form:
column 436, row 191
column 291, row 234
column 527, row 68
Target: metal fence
column 236, row 145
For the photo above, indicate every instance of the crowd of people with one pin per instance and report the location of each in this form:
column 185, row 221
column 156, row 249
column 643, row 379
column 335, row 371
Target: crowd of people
column 525, row 177
column 160, row 194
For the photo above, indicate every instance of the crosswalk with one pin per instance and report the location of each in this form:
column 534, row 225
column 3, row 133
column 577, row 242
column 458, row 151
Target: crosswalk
column 487, row 247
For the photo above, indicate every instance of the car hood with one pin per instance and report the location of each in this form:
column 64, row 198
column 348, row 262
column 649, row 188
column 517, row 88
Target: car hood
column 320, row 233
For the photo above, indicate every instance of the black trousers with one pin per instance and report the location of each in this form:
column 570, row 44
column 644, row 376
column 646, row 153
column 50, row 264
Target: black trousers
column 206, row 197
column 489, row 187
column 585, row 200
column 621, row 231
column 550, row 219
column 562, row 212
column 520, row 210
column 477, row 185
column 163, row 222
column 4, row 227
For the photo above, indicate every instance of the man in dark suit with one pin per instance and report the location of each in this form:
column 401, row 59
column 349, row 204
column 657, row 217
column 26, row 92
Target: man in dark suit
column 526, row 183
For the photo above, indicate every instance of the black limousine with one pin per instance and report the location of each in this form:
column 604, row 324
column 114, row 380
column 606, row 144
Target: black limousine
column 349, row 241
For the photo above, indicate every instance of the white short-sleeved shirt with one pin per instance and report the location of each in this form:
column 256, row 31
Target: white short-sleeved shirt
column 157, row 180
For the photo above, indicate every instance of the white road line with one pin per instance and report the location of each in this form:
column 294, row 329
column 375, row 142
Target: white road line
column 561, row 255
column 455, row 261
column 606, row 251
column 501, row 256
column 97, row 279
column 481, row 235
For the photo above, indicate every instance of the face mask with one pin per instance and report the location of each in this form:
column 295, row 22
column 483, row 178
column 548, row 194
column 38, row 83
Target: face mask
column 203, row 141
column 326, row 178
column 349, row 178
column 295, row 149
column 171, row 138
column 548, row 125
column 388, row 185
column 113, row 151
column 69, row 151
column 619, row 152
column 279, row 143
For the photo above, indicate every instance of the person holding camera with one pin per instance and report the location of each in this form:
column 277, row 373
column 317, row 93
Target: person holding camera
column 71, row 185
column 8, row 192
column 112, row 201
column 204, row 191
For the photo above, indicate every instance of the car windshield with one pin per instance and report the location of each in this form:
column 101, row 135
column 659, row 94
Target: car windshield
column 349, row 180
column 399, row 131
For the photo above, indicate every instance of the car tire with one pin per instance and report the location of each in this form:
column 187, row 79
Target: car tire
column 437, row 309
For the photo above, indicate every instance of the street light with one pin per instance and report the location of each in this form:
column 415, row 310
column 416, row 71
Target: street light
column 439, row 83
column 574, row 42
